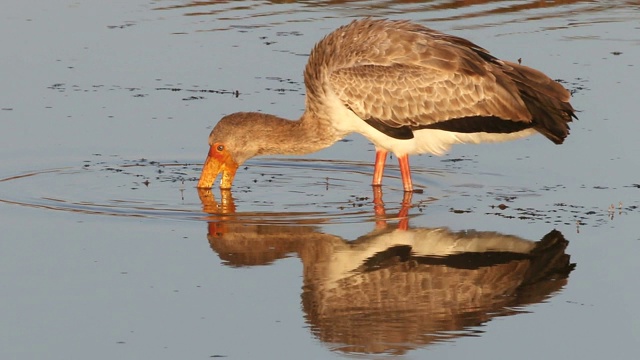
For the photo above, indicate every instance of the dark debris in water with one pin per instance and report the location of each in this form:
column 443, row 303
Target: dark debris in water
column 556, row 213
column 288, row 33
column 460, row 211
column 454, row 160
column 294, row 86
column 126, row 25
column 235, row 93
column 139, row 92
column 149, row 171
column 356, row 201
column 574, row 86
column 562, row 213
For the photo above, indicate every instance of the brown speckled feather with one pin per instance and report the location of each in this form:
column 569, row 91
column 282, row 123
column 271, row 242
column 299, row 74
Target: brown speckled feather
column 400, row 75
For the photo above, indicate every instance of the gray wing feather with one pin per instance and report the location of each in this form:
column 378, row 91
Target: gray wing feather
column 436, row 85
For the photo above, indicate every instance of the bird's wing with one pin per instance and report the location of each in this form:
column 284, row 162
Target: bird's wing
column 424, row 78
column 411, row 95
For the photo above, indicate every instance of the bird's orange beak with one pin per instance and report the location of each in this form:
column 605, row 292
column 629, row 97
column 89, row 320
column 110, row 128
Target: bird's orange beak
column 218, row 161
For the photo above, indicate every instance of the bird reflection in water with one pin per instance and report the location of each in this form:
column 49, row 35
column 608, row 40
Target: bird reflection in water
column 396, row 288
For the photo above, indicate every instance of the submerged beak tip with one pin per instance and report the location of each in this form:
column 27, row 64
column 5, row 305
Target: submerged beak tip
column 212, row 168
column 210, row 171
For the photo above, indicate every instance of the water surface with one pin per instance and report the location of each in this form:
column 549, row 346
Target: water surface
column 522, row 249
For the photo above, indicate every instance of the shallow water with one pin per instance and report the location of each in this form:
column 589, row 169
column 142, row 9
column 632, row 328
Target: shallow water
column 521, row 249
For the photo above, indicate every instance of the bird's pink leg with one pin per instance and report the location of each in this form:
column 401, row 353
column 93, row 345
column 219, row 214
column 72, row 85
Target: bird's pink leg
column 405, row 171
column 378, row 169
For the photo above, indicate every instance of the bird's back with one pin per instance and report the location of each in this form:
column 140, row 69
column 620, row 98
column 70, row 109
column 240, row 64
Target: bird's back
column 400, row 77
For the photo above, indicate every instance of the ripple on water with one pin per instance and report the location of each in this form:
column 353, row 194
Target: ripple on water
column 304, row 191
column 286, row 191
column 266, row 14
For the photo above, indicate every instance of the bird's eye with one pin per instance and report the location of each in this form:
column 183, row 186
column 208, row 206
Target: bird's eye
column 220, row 147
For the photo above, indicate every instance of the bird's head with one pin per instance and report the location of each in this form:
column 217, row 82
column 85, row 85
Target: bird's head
column 230, row 145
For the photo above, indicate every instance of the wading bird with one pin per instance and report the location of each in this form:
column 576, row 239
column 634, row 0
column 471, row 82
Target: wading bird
column 408, row 89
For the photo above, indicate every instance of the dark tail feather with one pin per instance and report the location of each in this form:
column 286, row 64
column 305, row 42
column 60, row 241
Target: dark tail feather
column 546, row 100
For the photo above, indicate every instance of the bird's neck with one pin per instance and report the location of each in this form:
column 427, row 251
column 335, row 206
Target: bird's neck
column 296, row 137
